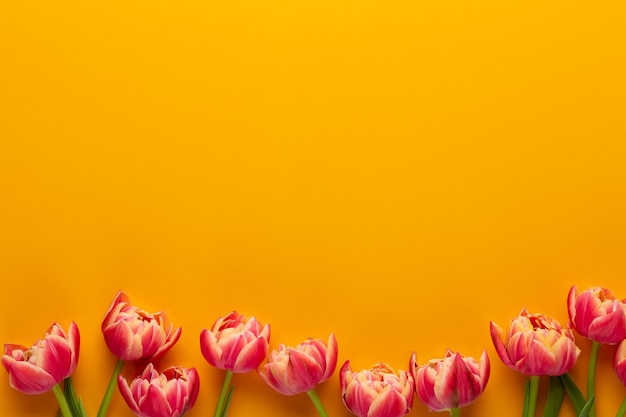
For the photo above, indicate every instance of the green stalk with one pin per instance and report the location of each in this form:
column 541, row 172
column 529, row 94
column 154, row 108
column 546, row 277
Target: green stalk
column 318, row 403
column 219, row 407
column 622, row 409
column 104, row 405
column 532, row 400
column 591, row 375
column 65, row 407
column 455, row 412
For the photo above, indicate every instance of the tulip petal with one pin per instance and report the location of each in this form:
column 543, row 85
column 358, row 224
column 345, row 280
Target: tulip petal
column 331, row 357
column 609, row 329
column 154, row 403
column 497, row 339
column 306, row 371
column 425, row 388
column 55, row 356
column 28, row 378
column 127, row 394
column 389, row 403
column 251, row 355
column 210, row 349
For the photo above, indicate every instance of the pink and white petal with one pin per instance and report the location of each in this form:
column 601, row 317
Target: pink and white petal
column 28, row 378
column 210, row 348
column 251, row 356
column 331, row 357
column 388, row 403
column 154, row 403
column 496, row 338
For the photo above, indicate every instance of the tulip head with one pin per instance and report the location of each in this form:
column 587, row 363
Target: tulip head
column 236, row 343
column 619, row 362
column 293, row 370
column 376, row 392
column 536, row 345
column 170, row 393
column 597, row 315
column 133, row 334
column 452, row 382
column 37, row 369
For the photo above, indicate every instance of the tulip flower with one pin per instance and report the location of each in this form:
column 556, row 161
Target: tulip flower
column 170, row 393
column 599, row 316
column 376, row 392
column 44, row 365
column 237, row 344
column 452, row 382
column 536, row 345
column 294, row 370
column 37, row 369
column 134, row 334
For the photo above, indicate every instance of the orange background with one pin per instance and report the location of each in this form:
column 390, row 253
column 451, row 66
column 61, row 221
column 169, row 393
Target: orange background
column 396, row 172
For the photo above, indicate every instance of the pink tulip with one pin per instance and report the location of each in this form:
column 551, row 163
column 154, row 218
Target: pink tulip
column 46, row 363
column 133, row 334
column 536, row 345
column 235, row 343
column 293, row 370
column 597, row 315
column 452, row 382
column 377, row 392
column 619, row 362
column 168, row 394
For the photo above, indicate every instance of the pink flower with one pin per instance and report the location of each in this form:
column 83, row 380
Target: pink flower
column 46, row 363
column 377, row 392
column 235, row 343
column 133, row 334
column 168, row 394
column 536, row 345
column 451, row 382
column 293, row 370
column 619, row 362
column 597, row 315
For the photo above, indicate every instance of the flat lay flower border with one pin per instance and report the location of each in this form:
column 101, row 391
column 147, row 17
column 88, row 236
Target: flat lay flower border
column 533, row 344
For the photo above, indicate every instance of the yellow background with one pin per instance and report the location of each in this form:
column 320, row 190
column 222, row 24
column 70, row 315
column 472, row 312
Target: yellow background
column 396, row 172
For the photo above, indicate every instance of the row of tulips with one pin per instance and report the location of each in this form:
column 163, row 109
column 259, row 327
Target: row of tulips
column 535, row 345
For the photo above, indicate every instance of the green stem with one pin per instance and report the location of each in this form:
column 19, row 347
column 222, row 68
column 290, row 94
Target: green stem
column 219, row 407
column 622, row 409
column 65, row 407
column 534, row 390
column 591, row 375
column 104, row 405
column 455, row 412
column 318, row 403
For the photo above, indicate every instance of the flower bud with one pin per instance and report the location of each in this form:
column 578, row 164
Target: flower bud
column 37, row 369
column 597, row 315
column 133, row 334
column 378, row 391
column 293, row 370
column 235, row 343
column 451, row 382
column 170, row 393
column 536, row 345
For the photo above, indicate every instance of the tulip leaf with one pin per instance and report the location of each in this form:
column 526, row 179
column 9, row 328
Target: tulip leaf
column 574, row 393
column 75, row 403
column 585, row 410
column 556, row 393
column 526, row 398
column 227, row 402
